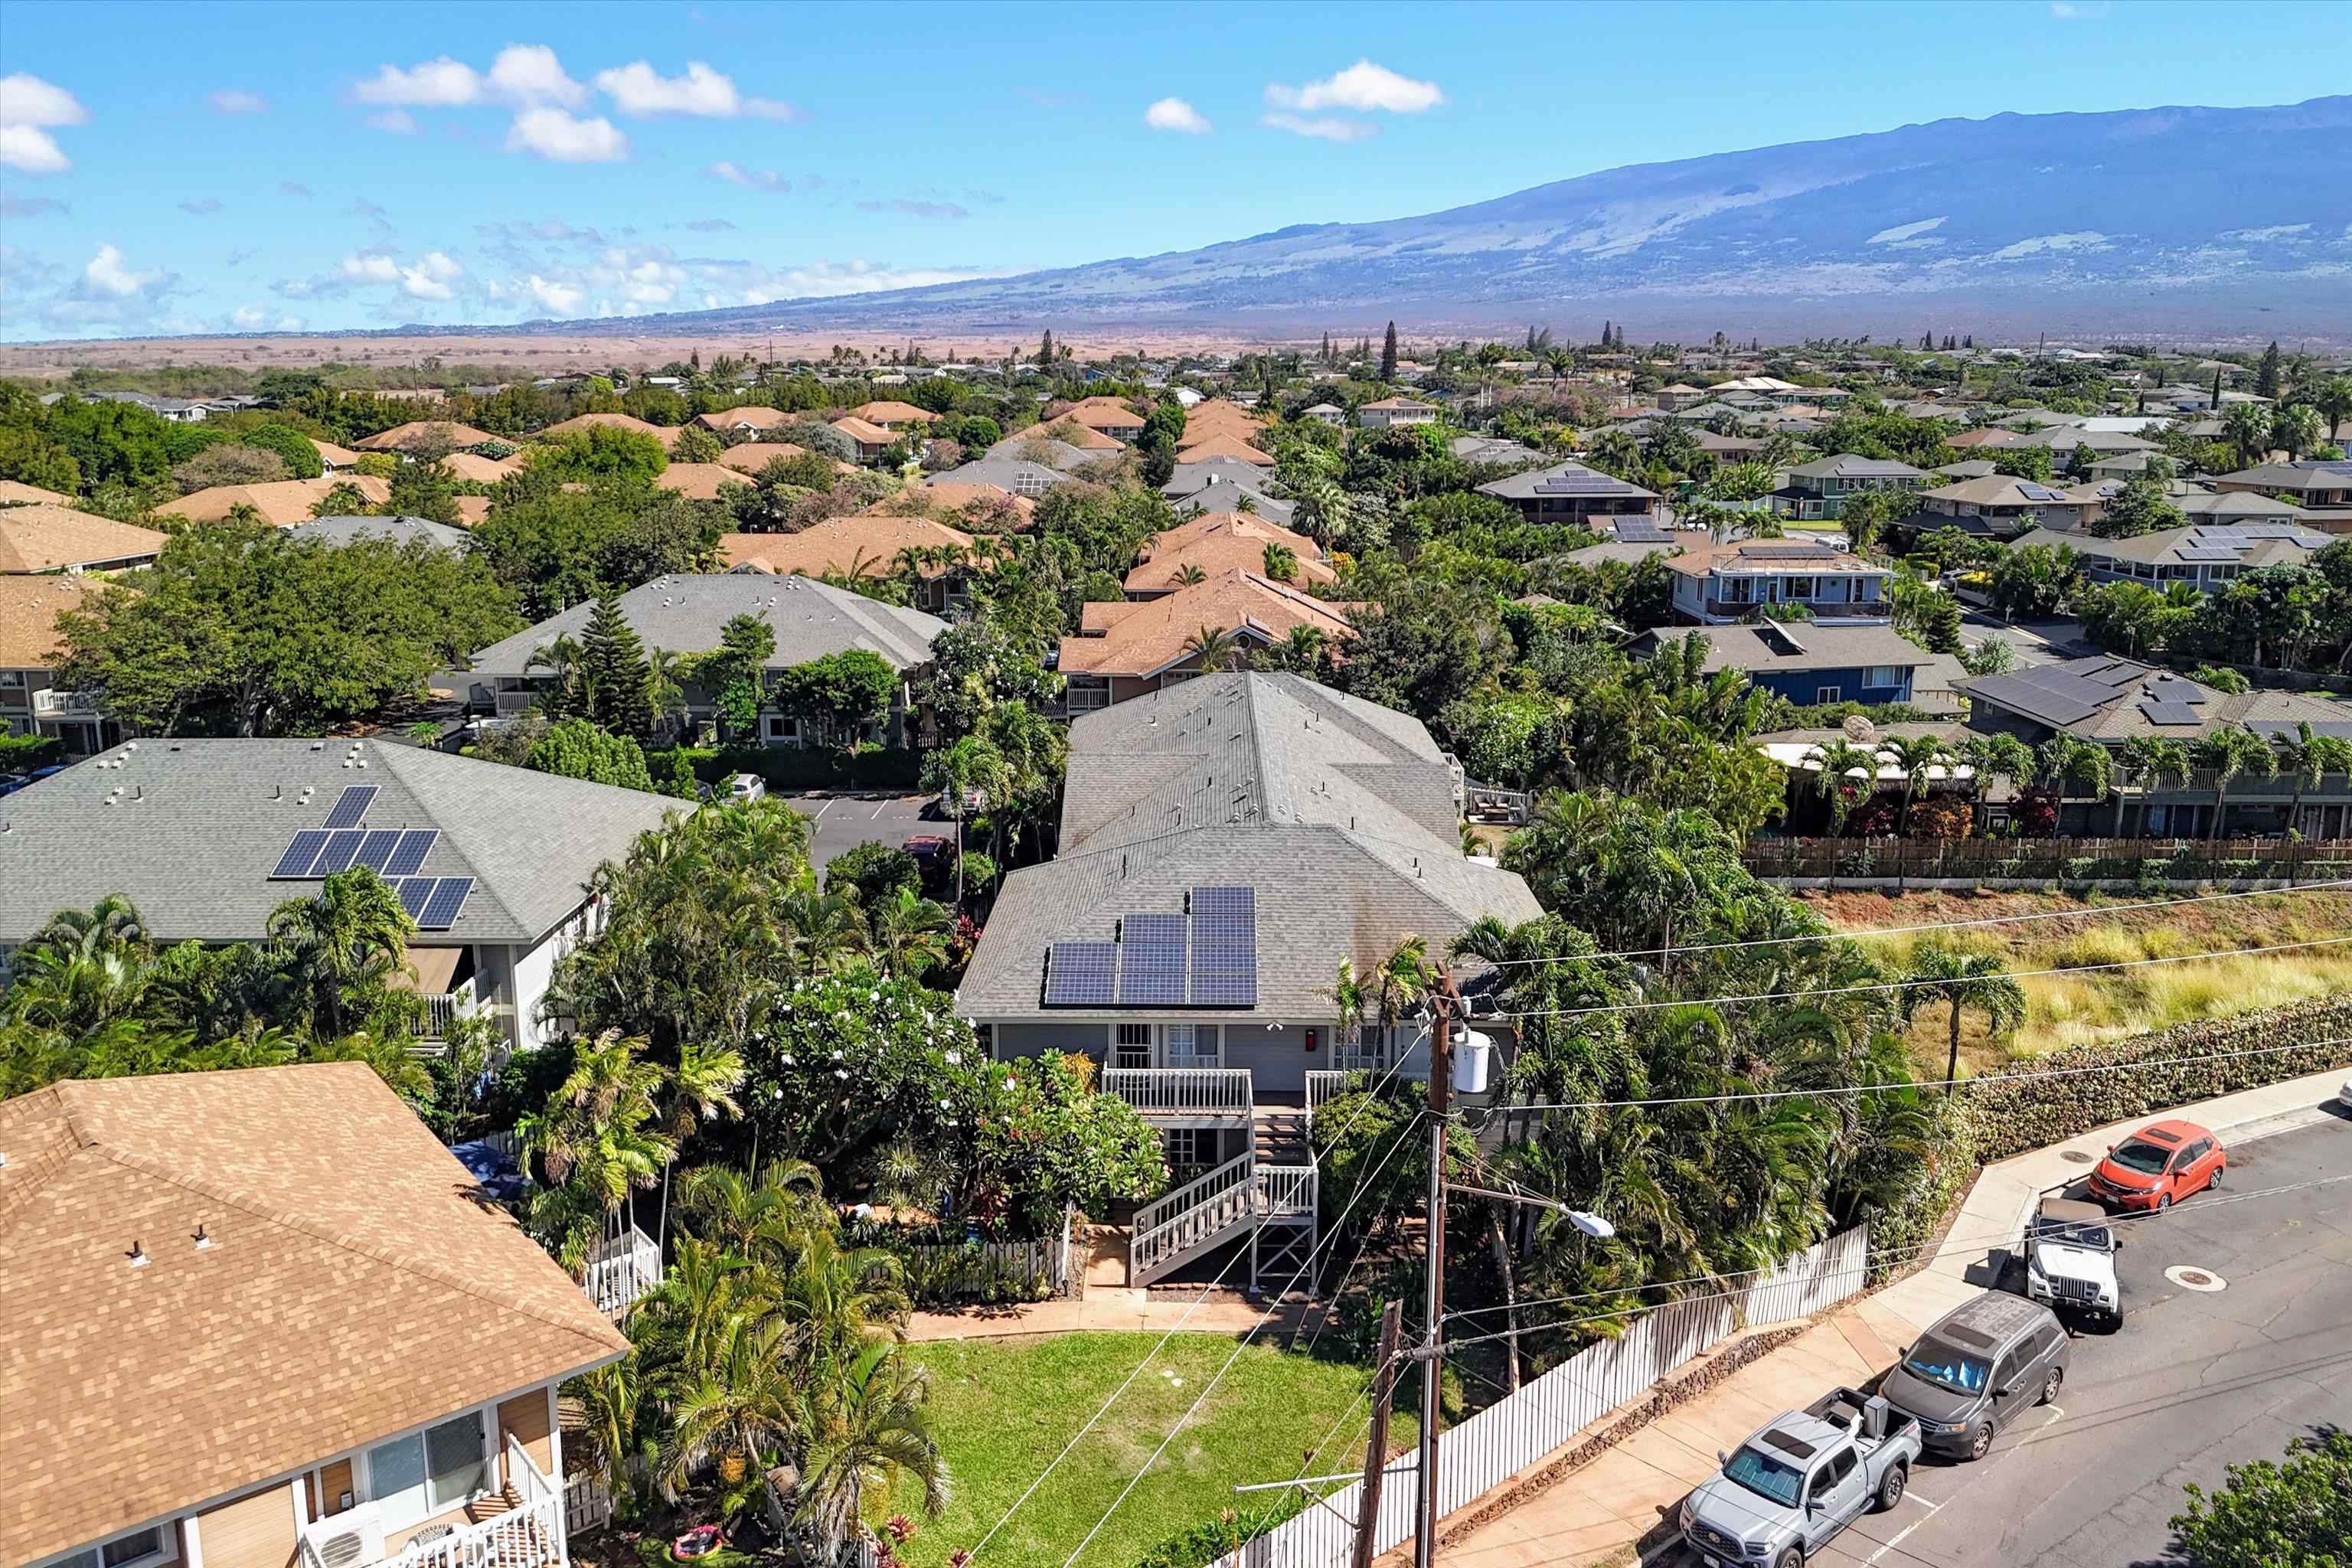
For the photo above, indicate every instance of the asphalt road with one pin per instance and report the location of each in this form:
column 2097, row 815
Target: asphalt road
column 845, row 820
column 2191, row 1383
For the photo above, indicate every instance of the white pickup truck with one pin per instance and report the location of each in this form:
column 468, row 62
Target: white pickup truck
column 1790, row 1490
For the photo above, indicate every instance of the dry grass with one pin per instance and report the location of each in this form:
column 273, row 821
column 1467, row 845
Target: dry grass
column 2107, row 1004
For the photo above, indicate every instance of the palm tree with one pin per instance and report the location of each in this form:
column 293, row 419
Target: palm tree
column 1321, row 509
column 2334, row 399
column 560, row 655
column 867, row 1429
column 1190, row 573
column 598, row 1140
column 2226, row 753
column 110, row 924
column 2151, row 759
column 1963, row 980
column 2002, row 756
column 840, row 1300
column 1918, row 757
column 703, row 1085
column 607, row 1442
column 2296, row 427
column 2065, row 757
column 1216, row 650
column 739, row 1405
column 1837, row 762
column 2246, row 427
column 970, row 768
column 907, row 932
column 758, row 1219
column 345, row 945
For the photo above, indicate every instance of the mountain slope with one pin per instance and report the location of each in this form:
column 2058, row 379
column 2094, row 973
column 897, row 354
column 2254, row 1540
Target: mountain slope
column 2181, row 214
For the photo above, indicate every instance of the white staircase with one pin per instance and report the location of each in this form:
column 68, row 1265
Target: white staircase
column 1273, row 1206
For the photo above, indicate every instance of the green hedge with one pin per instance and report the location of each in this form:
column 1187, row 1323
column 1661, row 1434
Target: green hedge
column 792, row 768
column 18, row 752
column 1995, row 1121
column 1214, row 1539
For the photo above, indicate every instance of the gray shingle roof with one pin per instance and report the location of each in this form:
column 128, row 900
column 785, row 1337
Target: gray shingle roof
column 1760, row 649
column 201, row 824
column 686, row 614
column 1590, row 482
column 1191, row 479
column 398, row 530
column 1339, row 812
column 1847, row 466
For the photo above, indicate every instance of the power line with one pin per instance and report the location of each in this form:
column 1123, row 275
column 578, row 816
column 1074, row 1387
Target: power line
column 1831, row 1090
column 2100, row 912
column 1909, row 984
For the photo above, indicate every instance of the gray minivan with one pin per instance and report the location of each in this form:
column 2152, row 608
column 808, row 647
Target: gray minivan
column 1981, row 1365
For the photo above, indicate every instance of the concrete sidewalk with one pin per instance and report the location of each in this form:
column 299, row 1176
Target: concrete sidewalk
column 1116, row 1311
column 1628, row 1491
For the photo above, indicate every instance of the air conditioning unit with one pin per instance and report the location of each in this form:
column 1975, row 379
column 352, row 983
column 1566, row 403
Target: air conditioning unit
column 351, row 1539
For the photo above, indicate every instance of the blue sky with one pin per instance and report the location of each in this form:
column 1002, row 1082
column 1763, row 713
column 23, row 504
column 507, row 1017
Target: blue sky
column 196, row 167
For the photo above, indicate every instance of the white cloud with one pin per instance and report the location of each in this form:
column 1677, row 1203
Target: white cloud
column 561, row 299
column 564, row 138
column 431, row 277
column 235, row 100
column 26, row 105
column 249, row 316
column 2085, row 239
column 1903, row 231
column 370, row 267
column 1363, row 87
column 529, row 73
column 2080, row 10
column 33, row 150
column 2275, row 231
column 106, row 275
column 399, row 122
column 1175, row 114
column 639, row 90
column 444, row 83
column 1325, row 127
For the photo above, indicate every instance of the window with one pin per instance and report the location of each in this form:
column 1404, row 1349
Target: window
column 1192, row 1152
column 413, row 1477
column 139, row 1547
column 1883, row 675
column 1829, row 694
column 1130, row 1045
column 1191, row 1045
column 1839, row 1466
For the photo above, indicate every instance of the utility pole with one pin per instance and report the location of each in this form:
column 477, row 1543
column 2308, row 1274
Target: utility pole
column 1376, row 1444
column 1444, row 1001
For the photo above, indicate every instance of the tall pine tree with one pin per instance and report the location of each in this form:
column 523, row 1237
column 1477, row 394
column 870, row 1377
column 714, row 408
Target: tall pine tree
column 1388, row 355
column 613, row 685
column 2267, row 374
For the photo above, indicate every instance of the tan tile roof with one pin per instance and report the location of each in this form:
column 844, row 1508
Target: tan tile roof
column 1222, row 445
column 280, row 502
column 757, row 417
column 666, row 434
column 1114, row 407
column 15, row 492
column 353, row 1289
column 701, row 481
column 28, row 618
column 1219, row 412
column 859, row 431
column 50, row 538
column 1071, row 431
column 1221, row 542
column 400, row 438
column 1103, row 420
column 888, row 411
column 1144, row 639
column 956, row 494
column 484, row 470
column 473, row 510
column 1991, row 436
column 334, row 457
column 838, row 543
column 751, row 457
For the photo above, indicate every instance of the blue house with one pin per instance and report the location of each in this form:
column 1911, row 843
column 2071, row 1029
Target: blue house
column 1810, row 662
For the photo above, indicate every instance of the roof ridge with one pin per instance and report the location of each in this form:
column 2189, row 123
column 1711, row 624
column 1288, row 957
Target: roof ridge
column 393, row 1257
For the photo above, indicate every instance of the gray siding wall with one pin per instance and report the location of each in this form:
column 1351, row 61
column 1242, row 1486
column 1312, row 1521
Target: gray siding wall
column 1027, row 1038
column 1278, row 1060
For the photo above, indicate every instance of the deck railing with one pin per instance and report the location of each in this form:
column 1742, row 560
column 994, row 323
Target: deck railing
column 529, row 1535
column 1223, row 1092
column 622, row 1270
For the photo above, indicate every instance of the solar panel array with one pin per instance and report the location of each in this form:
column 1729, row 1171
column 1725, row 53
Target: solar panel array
column 1206, row 957
column 1586, row 483
column 2053, row 695
column 350, row 810
column 387, row 851
column 1790, row 551
column 1642, row 530
column 2157, row 711
column 2033, row 490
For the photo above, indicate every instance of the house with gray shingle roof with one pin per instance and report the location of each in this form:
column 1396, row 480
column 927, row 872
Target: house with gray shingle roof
column 1226, row 844
column 1817, row 491
column 207, row 836
column 688, row 614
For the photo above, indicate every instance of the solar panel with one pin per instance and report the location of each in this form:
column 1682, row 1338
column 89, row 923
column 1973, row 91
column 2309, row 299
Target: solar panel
column 2161, row 711
column 415, row 844
column 296, row 862
column 415, row 892
column 352, row 809
column 1078, row 973
column 1151, row 961
column 336, row 855
column 1225, row 947
column 1224, row 901
column 2032, row 491
column 1642, row 530
column 448, row 898
column 375, row 851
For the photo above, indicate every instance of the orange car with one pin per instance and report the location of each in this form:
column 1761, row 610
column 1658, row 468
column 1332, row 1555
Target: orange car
column 2158, row 1166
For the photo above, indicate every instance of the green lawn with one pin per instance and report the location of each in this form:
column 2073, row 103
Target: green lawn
column 1005, row 1408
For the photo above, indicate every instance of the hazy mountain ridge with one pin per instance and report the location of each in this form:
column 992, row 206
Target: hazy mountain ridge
column 2172, row 213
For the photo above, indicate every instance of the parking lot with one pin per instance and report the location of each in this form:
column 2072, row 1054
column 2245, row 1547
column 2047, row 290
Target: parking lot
column 2195, row 1379
column 844, row 820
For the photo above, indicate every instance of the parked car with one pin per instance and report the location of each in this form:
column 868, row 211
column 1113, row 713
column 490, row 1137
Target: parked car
column 2159, row 1165
column 928, row 848
column 1978, row 1368
column 11, row 783
column 744, row 788
column 2070, row 1258
column 1790, row 1490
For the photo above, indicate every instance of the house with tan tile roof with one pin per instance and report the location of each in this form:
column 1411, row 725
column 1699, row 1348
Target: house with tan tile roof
column 335, row 459
column 263, row 1318
column 749, row 417
column 1127, row 648
column 701, row 482
column 1104, row 416
column 30, row 702
column 59, row 539
column 1389, row 411
column 1202, row 416
column 956, row 495
column 483, row 471
column 864, row 544
column 889, row 414
column 422, row 433
column 15, row 492
column 1218, row 542
column 870, row 439
column 279, row 502
column 752, row 457
column 666, row 434
column 1213, row 447
column 1068, row 432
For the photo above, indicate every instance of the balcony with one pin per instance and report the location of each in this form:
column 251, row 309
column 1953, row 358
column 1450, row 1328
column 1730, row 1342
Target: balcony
column 530, row 1529
column 622, row 1270
column 65, row 704
column 1822, row 609
column 1206, row 1096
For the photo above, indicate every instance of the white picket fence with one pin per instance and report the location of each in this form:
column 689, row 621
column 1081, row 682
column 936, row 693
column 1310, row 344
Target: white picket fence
column 1557, row 1408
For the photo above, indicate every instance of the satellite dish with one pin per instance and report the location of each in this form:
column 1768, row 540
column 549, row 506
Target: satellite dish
column 1858, row 727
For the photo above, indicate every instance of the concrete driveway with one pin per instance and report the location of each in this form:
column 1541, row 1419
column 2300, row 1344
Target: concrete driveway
column 844, row 819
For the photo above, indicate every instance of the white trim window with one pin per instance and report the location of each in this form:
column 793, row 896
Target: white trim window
column 1191, row 1045
column 1130, row 1045
column 413, row 1477
column 136, row 1550
column 1823, row 695
column 1880, row 676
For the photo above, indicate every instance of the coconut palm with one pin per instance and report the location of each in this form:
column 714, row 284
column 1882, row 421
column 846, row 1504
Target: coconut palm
column 344, row 947
column 112, row 923
column 1215, row 649
column 1919, row 758
column 1962, row 980
column 866, row 1431
column 1836, row 764
column 2065, row 758
column 2226, row 753
column 2308, row 758
column 2151, row 759
column 2246, row 429
column 2334, row 399
column 2297, row 427
column 700, row 1087
column 2002, row 756
column 907, row 934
